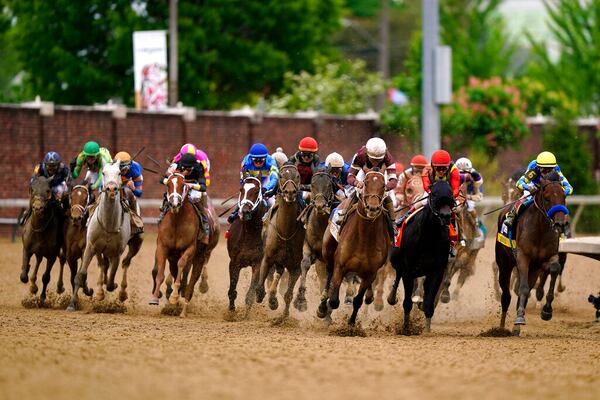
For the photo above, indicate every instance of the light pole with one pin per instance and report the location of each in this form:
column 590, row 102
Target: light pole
column 430, row 114
column 173, row 73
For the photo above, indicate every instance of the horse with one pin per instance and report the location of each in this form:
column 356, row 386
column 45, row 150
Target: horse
column 464, row 262
column 424, row 251
column 322, row 196
column 535, row 248
column 245, row 241
column 108, row 233
column 42, row 234
column 283, row 239
column 362, row 249
column 75, row 229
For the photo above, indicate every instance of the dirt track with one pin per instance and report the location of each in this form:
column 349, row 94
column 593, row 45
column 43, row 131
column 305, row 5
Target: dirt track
column 52, row 354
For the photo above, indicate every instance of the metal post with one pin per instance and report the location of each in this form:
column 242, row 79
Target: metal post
column 173, row 74
column 383, row 61
column 430, row 117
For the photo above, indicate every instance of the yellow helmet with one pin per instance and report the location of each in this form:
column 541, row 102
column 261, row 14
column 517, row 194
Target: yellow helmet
column 122, row 156
column 546, row 160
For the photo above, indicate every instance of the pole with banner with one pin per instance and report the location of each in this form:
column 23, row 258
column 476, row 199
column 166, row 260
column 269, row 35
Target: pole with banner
column 150, row 69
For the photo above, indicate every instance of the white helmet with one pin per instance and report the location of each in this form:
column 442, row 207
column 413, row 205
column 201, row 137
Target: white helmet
column 376, row 148
column 334, row 160
column 464, row 164
column 280, row 158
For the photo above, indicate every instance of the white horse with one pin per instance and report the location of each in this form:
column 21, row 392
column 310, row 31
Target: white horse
column 108, row 233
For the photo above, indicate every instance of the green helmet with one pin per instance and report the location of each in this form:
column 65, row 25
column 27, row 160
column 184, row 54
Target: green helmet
column 91, row 149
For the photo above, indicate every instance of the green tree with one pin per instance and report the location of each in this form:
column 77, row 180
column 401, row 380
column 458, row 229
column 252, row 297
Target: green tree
column 576, row 72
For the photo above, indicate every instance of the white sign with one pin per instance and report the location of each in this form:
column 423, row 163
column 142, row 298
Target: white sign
column 150, row 69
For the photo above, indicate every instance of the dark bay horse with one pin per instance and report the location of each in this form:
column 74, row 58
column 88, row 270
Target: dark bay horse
column 322, row 196
column 536, row 236
column 284, row 237
column 245, row 241
column 424, row 251
column 362, row 249
column 42, row 234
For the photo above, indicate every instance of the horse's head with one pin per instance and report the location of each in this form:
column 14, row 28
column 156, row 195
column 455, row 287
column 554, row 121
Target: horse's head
column 111, row 179
column 250, row 197
column 289, row 182
column 177, row 190
column 321, row 192
column 441, row 201
column 551, row 197
column 39, row 194
column 373, row 193
column 79, row 198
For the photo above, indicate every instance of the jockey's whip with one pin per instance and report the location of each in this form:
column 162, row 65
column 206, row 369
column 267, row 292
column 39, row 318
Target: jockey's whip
column 139, row 152
column 411, row 204
column 154, row 161
column 226, row 211
column 229, row 198
column 508, row 204
column 151, row 170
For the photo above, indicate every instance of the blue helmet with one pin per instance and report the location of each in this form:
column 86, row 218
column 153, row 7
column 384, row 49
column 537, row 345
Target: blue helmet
column 258, row 150
column 52, row 157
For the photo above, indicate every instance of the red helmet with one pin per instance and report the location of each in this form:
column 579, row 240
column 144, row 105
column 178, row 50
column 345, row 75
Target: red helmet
column 440, row 158
column 308, row 144
column 418, row 161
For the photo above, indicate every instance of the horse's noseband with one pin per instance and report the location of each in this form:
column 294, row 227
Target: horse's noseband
column 245, row 201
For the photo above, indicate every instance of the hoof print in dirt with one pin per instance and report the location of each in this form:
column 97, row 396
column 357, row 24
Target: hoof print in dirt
column 172, row 309
column 496, row 332
column 349, row 331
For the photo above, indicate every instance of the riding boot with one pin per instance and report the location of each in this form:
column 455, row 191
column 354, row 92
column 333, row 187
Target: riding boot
column 510, row 217
column 343, row 213
column 391, row 217
column 205, row 231
column 234, row 215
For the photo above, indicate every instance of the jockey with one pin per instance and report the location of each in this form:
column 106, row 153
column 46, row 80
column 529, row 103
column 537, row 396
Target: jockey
column 306, row 159
column 259, row 163
column 94, row 158
column 57, row 173
column 279, row 157
column 194, row 174
column 131, row 176
column 338, row 169
column 537, row 169
column 473, row 181
column 442, row 169
column 201, row 157
column 373, row 155
column 406, row 195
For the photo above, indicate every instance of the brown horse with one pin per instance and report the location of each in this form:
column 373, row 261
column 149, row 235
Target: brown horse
column 245, row 242
column 42, row 234
column 536, row 247
column 284, row 237
column 362, row 249
column 322, row 196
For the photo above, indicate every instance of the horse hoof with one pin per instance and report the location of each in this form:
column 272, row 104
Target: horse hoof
column 378, row 306
column 273, row 303
column 520, row 321
column 417, row 299
column 420, row 306
column 33, row 289
column 516, row 331
column 123, row 296
column 60, row 289
column 260, row 294
column 112, row 287
column 203, row 286
column 445, row 297
column 392, row 301
column 561, row 288
column 70, row 308
column 173, row 300
column 24, row 277
column 368, row 300
column 348, row 300
column 546, row 314
column 334, row 303
column 153, row 301
column 88, row 292
column 322, row 310
column 99, row 297
column 300, row 305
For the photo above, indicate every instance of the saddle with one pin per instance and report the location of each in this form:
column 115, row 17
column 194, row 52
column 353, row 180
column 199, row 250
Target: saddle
column 398, row 239
column 505, row 236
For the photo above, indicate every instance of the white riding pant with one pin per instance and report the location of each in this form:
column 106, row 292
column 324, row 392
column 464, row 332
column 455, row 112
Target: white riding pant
column 470, row 205
column 59, row 190
column 196, row 195
column 91, row 177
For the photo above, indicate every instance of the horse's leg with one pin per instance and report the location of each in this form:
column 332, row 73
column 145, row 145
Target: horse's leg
column 321, row 269
column 234, row 275
column 251, row 293
column 33, row 278
column 265, row 266
column 407, row 304
column 160, row 261
column 523, row 271
column 539, row 290
column 465, row 272
column 114, row 264
column 334, row 291
column 393, row 296
column 182, row 263
column 289, row 293
column 504, row 275
column 133, row 247
column 554, row 269
column 307, row 259
column 25, row 265
column 203, row 281
column 81, row 278
column 451, row 271
column 60, row 287
column 154, row 273
column 197, row 267
column 46, row 278
column 562, row 259
column 324, row 309
column 351, row 283
column 432, row 286
column 103, row 271
column 379, row 285
column 365, row 284
column 73, row 269
column 273, row 303
column 419, row 291
column 496, row 280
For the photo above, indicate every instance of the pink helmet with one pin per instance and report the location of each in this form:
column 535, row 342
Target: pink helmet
column 187, row 148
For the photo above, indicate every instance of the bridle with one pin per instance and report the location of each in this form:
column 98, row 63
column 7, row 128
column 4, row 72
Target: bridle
column 79, row 207
column 549, row 213
column 364, row 197
column 327, row 198
column 283, row 185
column 435, row 212
column 175, row 194
column 255, row 182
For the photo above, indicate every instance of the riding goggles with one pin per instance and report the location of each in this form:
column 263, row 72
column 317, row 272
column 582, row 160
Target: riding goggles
column 307, row 154
column 258, row 159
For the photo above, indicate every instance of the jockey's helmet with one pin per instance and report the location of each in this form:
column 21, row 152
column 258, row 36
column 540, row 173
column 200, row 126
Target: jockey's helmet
column 464, row 164
column 258, row 151
column 546, row 160
column 418, row 161
column 440, row 158
column 376, row 148
column 91, row 149
column 124, row 159
column 334, row 160
column 280, row 157
column 187, row 148
column 308, row 144
column 52, row 158
column 188, row 160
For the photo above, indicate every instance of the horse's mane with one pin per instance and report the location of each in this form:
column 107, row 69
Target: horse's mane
column 517, row 174
column 39, row 184
column 376, row 169
column 552, row 176
column 441, row 193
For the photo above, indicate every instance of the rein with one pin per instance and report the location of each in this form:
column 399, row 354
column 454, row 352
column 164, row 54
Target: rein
column 175, row 193
column 82, row 209
column 38, row 230
column 549, row 214
column 253, row 204
column 97, row 214
column 363, row 198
